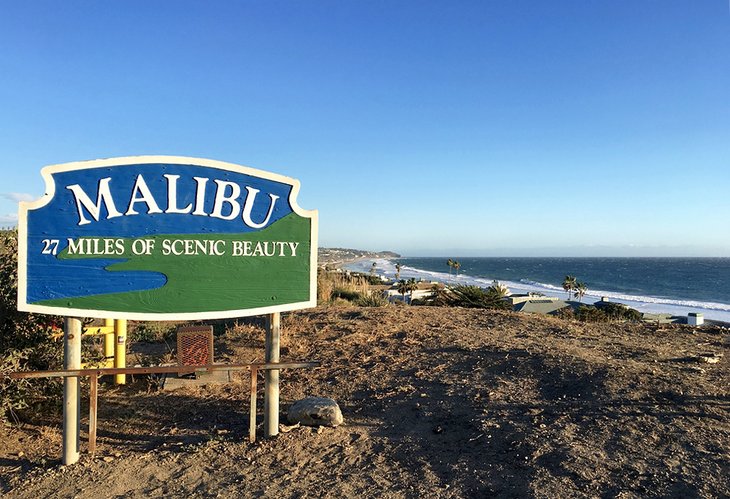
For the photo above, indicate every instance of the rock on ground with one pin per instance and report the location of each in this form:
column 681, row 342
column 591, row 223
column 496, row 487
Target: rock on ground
column 315, row 411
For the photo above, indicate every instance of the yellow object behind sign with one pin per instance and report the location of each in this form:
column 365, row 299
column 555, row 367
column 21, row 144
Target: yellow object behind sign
column 120, row 349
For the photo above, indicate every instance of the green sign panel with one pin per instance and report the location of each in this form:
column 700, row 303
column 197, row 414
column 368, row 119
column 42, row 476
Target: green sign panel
column 166, row 238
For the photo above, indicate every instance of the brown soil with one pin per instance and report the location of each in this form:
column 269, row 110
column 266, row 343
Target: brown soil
column 437, row 402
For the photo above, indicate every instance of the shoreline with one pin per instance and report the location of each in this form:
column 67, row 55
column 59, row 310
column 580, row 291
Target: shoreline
column 386, row 267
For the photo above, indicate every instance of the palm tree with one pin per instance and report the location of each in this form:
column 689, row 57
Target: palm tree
column 403, row 288
column 412, row 286
column 569, row 284
column 439, row 294
column 498, row 289
column 397, row 271
column 580, row 290
column 457, row 266
column 450, row 263
column 408, row 286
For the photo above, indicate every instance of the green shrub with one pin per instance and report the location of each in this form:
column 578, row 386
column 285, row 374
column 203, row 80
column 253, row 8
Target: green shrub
column 633, row 315
column 373, row 299
column 440, row 296
column 607, row 312
column 346, row 294
column 25, row 340
column 565, row 313
column 589, row 313
column 151, row 332
column 475, row 297
column 618, row 312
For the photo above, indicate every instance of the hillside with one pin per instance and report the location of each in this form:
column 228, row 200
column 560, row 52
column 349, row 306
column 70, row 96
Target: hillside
column 438, row 402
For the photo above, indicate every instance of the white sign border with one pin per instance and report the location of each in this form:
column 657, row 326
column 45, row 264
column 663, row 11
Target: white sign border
column 47, row 173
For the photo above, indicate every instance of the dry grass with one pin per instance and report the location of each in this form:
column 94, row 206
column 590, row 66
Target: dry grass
column 334, row 286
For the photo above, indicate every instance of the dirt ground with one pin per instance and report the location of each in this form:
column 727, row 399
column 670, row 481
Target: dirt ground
column 438, row 402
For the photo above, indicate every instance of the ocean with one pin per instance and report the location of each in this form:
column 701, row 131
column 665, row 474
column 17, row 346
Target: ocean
column 655, row 285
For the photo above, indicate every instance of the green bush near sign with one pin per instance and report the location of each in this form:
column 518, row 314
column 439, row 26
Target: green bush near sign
column 25, row 340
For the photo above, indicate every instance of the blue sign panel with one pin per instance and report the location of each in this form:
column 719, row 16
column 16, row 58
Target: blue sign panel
column 162, row 237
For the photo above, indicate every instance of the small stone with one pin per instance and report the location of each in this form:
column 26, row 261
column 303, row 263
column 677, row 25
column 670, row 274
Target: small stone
column 21, row 454
column 117, row 454
column 315, row 411
column 286, row 429
column 710, row 358
column 107, row 459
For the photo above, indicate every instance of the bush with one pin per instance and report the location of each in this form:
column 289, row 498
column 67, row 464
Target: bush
column 25, row 340
column 589, row 313
column 633, row 315
column 475, row 297
column 346, row 294
column 151, row 332
column 334, row 286
column 373, row 280
column 440, row 296
column 617, row 312
column 565, row 313
column 607, row 312
column 373, row 299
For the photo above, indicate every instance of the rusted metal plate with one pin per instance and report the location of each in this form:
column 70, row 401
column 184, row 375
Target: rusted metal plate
column 195, row 345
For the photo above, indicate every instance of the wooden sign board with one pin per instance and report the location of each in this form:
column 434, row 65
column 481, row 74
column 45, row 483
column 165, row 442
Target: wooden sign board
column 165, row 238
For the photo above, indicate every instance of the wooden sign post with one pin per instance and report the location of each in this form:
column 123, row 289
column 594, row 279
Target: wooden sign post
column 165, row 238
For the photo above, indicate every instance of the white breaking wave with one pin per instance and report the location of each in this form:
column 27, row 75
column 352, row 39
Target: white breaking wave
column 650, row 304
column 639, row 298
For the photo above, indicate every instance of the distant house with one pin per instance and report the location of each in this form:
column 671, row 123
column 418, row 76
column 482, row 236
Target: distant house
column 424, row 291
column 543, row 305
column 521, row 298
column 663, row 318
column 695, row 319
column 605, row 302
column 692, row 319
column 419, row 294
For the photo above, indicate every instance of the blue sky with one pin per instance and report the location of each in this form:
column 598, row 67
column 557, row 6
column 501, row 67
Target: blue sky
column 428, row 128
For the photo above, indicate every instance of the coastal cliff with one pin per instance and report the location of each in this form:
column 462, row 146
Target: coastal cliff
column 338, row 256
